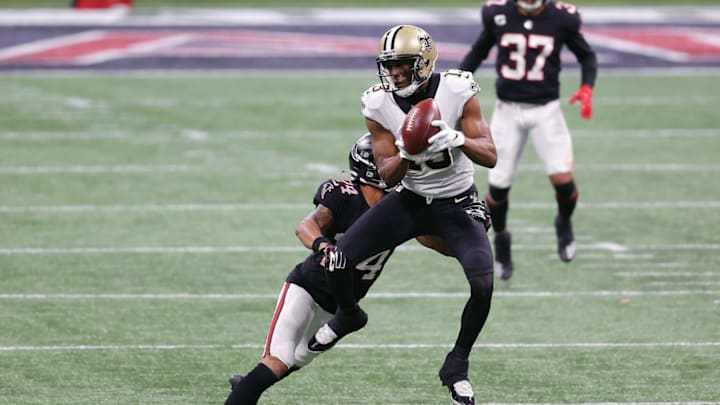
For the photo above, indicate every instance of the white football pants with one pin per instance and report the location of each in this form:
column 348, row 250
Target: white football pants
column 296, row 319
column 512, row 123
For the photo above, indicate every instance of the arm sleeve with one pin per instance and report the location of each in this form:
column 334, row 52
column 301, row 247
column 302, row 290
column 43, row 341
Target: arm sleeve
column 481, row 47
column 584, row 53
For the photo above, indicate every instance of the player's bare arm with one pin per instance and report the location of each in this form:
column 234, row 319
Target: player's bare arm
column 391, row 166
column 310, row 227
column 479, row 145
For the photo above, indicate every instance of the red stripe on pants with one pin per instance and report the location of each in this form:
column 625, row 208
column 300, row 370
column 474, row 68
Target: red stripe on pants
column 276, row 315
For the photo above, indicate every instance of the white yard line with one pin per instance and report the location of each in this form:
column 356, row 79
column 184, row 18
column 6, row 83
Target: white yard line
column 95, row 169
column 654, row 101
column 668, row 273
column 592, row 403
column 276, row 206
column 286, row 249
column 372, row 295
column 19, row 209
column 411, row 346
column 152, row 250
column 683, row 283
column 668, row 265
column 639, row 167
column 650, row 134
column 182, row 168
column 622, row 205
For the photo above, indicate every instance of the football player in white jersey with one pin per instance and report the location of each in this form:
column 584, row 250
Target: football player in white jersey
column 529, row 36
column 431, row 188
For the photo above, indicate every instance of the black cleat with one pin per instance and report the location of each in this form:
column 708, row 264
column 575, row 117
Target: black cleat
column 565, row 238
column 453, row 374
column 236, row 378
column 336, row 328
column 503, row 257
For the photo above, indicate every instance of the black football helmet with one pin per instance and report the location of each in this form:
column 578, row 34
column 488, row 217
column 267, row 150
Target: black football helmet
column 362, row 163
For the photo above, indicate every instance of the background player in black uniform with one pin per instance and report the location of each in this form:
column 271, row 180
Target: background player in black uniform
column 306, row 301
column 529, row 35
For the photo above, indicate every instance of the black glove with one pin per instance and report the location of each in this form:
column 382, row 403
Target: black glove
column 480, row 212
column 332, row 258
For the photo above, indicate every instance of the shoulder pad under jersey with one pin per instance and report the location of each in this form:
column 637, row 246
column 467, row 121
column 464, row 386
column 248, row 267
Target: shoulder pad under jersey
column 460, row 82
column 331, row 192
column 566, row 14
column 373, row 97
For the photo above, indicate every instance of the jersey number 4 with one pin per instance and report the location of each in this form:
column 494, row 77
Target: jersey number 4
column 519, row 45
column 372, row 265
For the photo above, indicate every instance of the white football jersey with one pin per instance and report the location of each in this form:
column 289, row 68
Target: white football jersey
column 449, row 172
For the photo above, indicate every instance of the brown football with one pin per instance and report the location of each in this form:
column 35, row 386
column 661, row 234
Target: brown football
column 416, row 130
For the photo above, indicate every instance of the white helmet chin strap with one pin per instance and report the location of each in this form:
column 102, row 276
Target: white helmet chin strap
column 407, row 91
column 530, row 7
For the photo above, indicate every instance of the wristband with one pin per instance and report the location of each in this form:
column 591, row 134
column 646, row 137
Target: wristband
column 320, row 239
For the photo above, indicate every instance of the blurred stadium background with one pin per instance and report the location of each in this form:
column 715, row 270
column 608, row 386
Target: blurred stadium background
column 155, row 160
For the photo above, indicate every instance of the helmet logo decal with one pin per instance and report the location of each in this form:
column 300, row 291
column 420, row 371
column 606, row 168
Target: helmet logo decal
column 425, row 43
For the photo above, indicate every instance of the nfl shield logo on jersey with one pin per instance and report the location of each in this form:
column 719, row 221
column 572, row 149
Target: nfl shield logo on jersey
column 500, row 20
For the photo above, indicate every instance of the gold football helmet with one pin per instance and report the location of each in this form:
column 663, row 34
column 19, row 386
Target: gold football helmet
column 406, row 43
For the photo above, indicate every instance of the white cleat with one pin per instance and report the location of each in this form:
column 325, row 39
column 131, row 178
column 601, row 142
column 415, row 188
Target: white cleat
column 462, row 393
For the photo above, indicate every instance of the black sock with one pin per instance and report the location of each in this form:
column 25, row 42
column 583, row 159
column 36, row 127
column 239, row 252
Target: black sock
column 290, row 371
column 251, row 387
column 566, row 196
column 474, row 314
column 498, row 202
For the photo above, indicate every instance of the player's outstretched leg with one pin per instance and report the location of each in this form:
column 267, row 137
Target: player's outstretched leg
column 343, row 323
column 503, row 255
column 235, row 379
column 565, row 238
column 454, row 375
column 247, row 389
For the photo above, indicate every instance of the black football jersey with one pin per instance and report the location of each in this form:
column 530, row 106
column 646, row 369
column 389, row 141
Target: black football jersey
column 344, row 199
column 528, row 49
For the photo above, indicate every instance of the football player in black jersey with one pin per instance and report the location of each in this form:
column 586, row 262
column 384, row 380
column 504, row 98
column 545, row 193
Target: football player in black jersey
column 529, row 36
column 306, row 301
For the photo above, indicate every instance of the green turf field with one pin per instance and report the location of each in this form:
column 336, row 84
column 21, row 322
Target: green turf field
column 147, row 224
column 341, row 3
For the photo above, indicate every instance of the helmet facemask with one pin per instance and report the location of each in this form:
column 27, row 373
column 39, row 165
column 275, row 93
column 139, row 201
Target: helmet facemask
column 386, row 78
column 530, row 7
column 411, row 45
